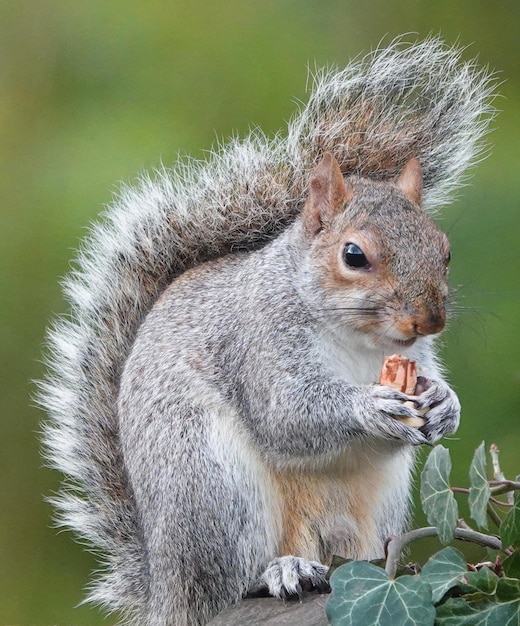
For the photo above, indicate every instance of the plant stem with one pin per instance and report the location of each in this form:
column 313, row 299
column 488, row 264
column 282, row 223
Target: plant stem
column 494, row 452
column 398, row 544
column 503, row 486
column 497, row 472
column 493, row 515
column 466, row 491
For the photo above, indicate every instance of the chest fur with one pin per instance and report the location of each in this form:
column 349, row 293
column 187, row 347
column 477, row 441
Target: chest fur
column 350, row 358
column 339, row 509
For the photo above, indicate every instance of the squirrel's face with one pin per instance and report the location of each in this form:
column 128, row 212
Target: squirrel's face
column 378, row 261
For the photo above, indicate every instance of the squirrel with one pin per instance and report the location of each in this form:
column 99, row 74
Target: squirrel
column 213, row 396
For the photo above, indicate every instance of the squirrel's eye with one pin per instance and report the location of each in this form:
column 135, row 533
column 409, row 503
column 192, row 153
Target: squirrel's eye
column 447, row 263
column 354, row 257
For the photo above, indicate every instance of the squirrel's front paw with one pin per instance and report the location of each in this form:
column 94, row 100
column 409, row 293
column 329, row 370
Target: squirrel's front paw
column 443, row 415
column 388, row 404
column 291, row 575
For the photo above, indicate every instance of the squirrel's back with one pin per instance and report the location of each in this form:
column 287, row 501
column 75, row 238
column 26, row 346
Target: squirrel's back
column 418, row 101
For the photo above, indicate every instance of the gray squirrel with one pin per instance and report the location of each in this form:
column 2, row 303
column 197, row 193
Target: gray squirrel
column 213, row 396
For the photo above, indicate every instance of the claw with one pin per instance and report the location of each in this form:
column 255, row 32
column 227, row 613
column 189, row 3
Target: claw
column 323, row 587
column 289, row 577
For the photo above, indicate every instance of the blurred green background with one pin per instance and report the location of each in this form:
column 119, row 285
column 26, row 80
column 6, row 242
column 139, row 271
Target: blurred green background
column 93, row 92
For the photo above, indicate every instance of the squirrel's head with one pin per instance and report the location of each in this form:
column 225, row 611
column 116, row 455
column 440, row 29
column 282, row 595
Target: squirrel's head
column 381, row 263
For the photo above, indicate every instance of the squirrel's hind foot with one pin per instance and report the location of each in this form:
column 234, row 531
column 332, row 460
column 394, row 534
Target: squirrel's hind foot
column 291, row 576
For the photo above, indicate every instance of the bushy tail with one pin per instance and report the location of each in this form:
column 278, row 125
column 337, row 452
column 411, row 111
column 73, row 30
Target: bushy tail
column 403, row 101
column 397, row 103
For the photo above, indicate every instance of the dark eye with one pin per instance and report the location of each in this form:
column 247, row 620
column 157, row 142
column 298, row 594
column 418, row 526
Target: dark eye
column 447, row 262
column 354, row 257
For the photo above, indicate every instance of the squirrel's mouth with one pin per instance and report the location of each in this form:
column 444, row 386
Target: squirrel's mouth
column 386, row 341
column 405, row 343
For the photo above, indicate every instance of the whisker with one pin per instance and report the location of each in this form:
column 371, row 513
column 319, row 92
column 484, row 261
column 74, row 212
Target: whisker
column 349, row 308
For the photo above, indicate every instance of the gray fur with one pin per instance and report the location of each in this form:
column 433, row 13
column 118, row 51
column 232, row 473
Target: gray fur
column 426, row 103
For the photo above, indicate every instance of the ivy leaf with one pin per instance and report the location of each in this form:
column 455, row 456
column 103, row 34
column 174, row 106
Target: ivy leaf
column 508, row 589
column 337, row 562
column 510, row 529
column 437, row 498
column 485, row 581
column 502, row 609
column 458, row 612
column 511, row 565
column 364, row 594
column 444, row 570
column 479, row 491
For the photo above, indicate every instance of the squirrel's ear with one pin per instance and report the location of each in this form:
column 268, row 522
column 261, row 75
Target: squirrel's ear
column 410, row 180
column 328, row 194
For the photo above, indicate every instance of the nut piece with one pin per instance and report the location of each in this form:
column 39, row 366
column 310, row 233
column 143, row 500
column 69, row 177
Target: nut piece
column 400, row 373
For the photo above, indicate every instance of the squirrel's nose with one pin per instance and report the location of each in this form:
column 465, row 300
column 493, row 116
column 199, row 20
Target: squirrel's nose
column 430, row 322
column 427, row 320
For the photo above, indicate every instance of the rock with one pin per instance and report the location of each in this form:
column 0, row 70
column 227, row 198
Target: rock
column 274, row 612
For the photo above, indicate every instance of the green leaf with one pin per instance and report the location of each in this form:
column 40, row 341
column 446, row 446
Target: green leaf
column 484, row 581
column 443, row 571
column 502, row 609
column 510, row 529
column 337, row 561
column 364, row 594
column 511, row 565
column 508, row 589
column 437, row 498
column 458, row 612
column 479, row 491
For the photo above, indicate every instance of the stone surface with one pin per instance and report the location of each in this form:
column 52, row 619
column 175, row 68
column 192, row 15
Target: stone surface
column 274, row 612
